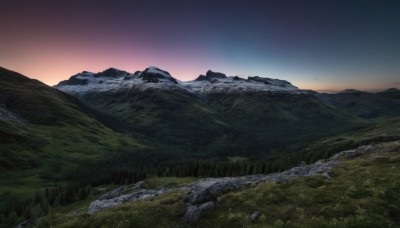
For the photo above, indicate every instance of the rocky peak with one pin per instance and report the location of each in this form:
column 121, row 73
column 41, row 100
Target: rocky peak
column 154, row 74
column 111, row 72
column 211, row 75
column 269, row 81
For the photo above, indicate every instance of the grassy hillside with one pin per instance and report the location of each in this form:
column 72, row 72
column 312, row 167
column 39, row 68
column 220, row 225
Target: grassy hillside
column 268, row 121
column 363, row 104
column 44, row 134
column 223, row 124
column 170, row 117
column 364, row 192
column 379, row 130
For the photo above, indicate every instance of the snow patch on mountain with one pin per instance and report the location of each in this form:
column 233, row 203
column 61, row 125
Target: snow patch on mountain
column 237, row 85
column 113, row 80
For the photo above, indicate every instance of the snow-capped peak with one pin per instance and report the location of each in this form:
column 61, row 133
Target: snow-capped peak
column 210, row 75
column 112, row 72
column 152, row 77
column 154, row 74
column 214, row 82
column 113, row 80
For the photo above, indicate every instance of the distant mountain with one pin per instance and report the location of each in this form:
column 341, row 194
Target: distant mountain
column 214, row 109
column 364, row 104
column 155, row 78
column 392, row 92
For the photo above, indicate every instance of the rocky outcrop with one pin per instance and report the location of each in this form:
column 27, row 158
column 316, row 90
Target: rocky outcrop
column 204, row 194
column 210, row 75
column 124, row 194
column 210, row 189
column 111, row 72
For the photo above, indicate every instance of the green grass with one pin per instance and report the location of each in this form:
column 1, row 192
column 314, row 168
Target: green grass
column 55, row 134
column 380, row 130
column 160, row 212
column 365, row 192
column 154, row 182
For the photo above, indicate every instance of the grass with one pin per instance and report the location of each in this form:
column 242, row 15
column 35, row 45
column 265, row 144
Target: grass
column 365, row 192
column 380, row 130
column 55, row 134
column 154, row 182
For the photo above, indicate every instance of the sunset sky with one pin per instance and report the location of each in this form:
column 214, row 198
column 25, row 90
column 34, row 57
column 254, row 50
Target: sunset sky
column 320, row 44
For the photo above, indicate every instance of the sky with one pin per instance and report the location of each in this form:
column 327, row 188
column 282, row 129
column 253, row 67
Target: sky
column 314, row 44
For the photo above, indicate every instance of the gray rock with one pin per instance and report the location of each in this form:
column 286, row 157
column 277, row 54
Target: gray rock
column 209, row 189
column 101, row 204
column 140, row 194
column 191, row 214
column 207, row 205
column 255, row 215
column 326, row 175
column 120, row 191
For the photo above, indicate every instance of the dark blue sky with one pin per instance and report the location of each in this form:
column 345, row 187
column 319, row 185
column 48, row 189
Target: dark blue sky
column 320, row 44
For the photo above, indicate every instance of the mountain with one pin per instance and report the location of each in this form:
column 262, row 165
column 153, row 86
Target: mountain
column 392, row 92
column 363, row 104
column 39, row 123
column 224, row 114
column 154, row 78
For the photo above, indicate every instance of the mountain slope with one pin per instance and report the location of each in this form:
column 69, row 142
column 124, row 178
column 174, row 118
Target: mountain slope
column 221, row 115
column 363, row 104
column 44, row 135
column 151, row 103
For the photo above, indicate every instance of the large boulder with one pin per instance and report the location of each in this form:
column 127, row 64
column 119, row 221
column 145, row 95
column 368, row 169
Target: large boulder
column 209, row 189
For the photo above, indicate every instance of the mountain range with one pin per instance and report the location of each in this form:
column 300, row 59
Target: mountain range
column 213, row 115
column 95, row 128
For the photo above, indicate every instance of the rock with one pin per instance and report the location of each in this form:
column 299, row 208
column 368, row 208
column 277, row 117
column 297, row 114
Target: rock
column 119, row 191
column 207, row 205
column 209, row 189
column 101, row 204
column 255, row 215
column 139, row 194
column 191, row 214
column 26, row 223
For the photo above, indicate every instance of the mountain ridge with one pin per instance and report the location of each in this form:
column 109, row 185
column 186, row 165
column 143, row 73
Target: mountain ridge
column 153, row 77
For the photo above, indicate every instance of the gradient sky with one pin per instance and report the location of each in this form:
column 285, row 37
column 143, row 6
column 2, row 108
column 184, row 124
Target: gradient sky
column 320, row 44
